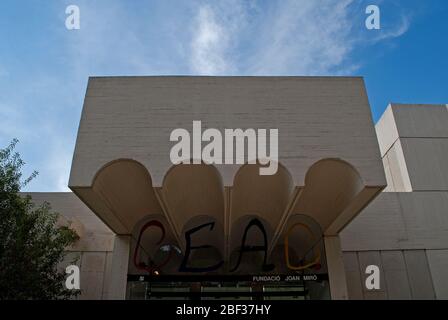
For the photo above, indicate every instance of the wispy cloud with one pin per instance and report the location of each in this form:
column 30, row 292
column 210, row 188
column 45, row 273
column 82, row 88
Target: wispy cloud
column 395, row 31
column 33, row 114
column 209, row 44
column 285, row 37
column 305, row 37
column 106, row 42
column 216, row 33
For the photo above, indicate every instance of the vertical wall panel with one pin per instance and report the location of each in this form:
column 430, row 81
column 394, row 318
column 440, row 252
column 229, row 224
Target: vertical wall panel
column 70, row 258
column 395, row 275
column 390, row 182
column 354, row 282
column 119, row 268
column 419, row 275
column 367, row 258
column 426, row 162
column 336, row 270
column 398, row 168
column 92, row 275
column 438, row 264
column 107, row 275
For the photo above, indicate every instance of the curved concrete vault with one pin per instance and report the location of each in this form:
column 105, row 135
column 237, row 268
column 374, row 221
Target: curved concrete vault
column 191, row 195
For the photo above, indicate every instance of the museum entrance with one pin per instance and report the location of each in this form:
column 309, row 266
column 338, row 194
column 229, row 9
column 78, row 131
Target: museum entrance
column 294, row 269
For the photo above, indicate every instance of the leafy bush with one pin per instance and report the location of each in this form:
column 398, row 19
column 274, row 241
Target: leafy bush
column 31, row 243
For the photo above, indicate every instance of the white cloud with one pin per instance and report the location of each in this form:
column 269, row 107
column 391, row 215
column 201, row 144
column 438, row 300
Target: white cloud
column 41, row 146
column 216, row 35
column 396, row 31
column 289, row 37
column 104, row 42
column 209, row 44
column 304, row 38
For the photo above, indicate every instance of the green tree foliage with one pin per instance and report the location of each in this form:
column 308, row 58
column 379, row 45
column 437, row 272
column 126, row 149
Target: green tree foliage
column 31, row 243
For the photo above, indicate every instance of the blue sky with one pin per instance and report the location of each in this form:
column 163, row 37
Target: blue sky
column 44, row 67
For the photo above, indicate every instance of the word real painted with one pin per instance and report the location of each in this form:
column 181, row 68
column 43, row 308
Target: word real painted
column 254, row 224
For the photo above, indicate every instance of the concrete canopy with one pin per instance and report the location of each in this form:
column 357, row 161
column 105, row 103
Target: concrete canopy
column 329, row 160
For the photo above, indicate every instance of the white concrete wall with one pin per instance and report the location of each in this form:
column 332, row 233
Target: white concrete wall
column 406, row 235
column 426, row 160
column 404, row 274
column 413, row 140
column 317, row 117
column 400, row 221
column 93, row 251
column 95, row 272
column 405, row 230
column 96, row 237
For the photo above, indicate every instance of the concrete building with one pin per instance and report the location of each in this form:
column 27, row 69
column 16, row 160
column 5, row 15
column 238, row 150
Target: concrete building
column 405, row 229
column 347, row 194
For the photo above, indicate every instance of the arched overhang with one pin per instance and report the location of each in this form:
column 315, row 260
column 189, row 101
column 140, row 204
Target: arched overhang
column 190, row 191
column 330, row 186
column 263, row 196
column 333, row 194
column 121, row 194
